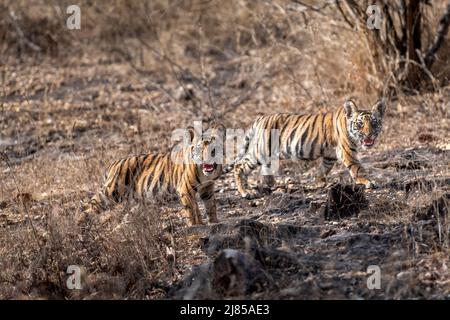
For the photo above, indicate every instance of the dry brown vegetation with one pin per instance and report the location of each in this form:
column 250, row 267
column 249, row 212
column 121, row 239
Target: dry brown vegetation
column 72, row 101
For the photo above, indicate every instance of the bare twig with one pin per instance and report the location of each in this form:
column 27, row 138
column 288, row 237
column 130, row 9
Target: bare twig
column 344, row 15
column 442, row 31
column 205, row 80
column 426, row 70
column 171, row 63
column 317, row 9
column 21, row 34
column 140, row 71
column 239, row 101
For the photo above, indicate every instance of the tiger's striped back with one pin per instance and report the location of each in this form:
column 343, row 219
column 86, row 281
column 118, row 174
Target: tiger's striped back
column 134, row 177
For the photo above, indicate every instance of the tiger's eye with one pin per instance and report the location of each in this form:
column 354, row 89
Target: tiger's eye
column 358, row 125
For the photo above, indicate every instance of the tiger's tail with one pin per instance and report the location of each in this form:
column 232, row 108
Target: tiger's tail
column 100, row 201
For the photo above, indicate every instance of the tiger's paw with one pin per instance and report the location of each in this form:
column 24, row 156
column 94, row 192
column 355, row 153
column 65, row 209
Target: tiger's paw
column 195, row 223
column 213, row 220
column 199, row 220
column 321, row 181
column 265, row 189
column 369, row 185
column 189, row 223
column 372, row 185
column 249, row 195
column 192, row 221
column 268, row 181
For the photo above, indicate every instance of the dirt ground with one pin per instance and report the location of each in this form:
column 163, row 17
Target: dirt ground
column 64, row 120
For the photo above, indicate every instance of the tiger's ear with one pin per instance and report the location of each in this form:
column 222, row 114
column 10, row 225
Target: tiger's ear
column 191, row 132
column 349, row 108
column 379, row 108
column 219, row 127
column 218, row 130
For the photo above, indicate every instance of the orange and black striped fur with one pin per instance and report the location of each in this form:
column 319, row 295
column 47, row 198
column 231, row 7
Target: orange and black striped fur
column 330, row 136
column 183, row 172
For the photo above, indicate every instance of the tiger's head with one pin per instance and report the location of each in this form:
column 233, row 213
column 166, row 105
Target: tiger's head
column 364, row 126
column 207, row 152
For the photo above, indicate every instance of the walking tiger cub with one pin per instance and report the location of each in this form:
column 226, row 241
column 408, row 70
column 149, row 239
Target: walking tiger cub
column 183, row 172
column 331, row 136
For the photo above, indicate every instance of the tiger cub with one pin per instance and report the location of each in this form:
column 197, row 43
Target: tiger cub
column 330, row 136
column 184, row 172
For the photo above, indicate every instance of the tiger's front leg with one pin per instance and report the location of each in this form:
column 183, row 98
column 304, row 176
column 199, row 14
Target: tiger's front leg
column 268, row 179
column 207, row 195
column 357, row 172
column 190, row 207
column 241, row 172
column 325, row 168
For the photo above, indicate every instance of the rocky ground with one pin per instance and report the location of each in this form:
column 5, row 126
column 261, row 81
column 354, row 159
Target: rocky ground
column 285, row 246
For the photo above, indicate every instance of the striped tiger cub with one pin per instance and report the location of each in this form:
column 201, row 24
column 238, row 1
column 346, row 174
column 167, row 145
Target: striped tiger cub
column 184, row 172
column 330, row 136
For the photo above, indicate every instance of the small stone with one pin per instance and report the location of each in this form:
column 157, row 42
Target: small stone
column 404, row 275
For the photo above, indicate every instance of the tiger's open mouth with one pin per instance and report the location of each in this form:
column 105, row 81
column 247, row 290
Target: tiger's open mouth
column 208, row 168
column 367, row 142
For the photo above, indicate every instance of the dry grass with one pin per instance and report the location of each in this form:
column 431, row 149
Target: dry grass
column 138, row 70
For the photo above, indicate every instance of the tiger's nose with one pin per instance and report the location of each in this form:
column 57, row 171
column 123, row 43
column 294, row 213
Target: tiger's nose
column 366, row 129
